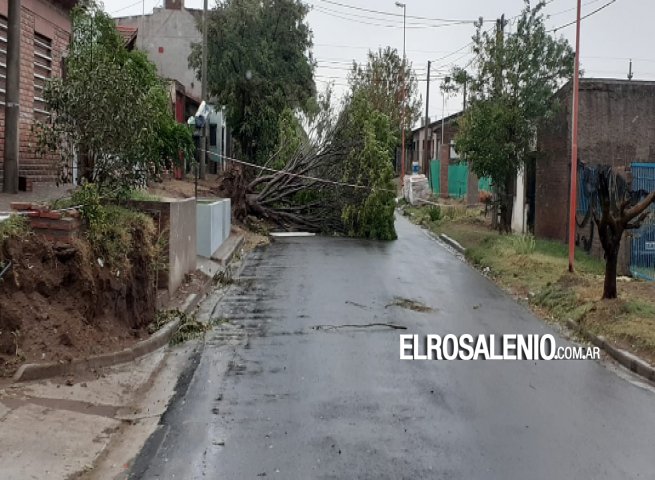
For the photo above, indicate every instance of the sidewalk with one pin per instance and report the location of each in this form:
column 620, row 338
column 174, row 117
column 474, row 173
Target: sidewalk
column 43, row 192
column 59, row 428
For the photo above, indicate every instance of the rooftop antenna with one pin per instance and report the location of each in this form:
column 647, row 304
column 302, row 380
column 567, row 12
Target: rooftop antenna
column 630, row 75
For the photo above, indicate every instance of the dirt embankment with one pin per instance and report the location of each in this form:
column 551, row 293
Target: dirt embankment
column 59, row 302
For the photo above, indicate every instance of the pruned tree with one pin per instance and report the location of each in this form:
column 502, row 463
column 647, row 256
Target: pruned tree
column 259, row 64
column 615, row 209
column 110, row 113
column 516, row 76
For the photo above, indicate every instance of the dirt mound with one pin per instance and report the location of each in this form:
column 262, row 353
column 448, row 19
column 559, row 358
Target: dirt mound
column 59, row 302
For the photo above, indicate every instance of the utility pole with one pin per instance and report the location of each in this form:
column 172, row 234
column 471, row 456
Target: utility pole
column 444, row 87
column 574, row 144
column 466, row 81
column 402, row 126
column 203, row 94
column 630, row 71
column 12, row 99
column 426, row 165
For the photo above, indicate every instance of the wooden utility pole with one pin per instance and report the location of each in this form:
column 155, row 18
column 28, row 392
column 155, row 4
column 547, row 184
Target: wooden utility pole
column 426, row 153
column 574, row 144
column 204, row 143
column 12, row 99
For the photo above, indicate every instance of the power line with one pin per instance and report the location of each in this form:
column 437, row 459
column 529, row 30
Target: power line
column 378, row 19
column 125, row 8
column 394, row 14
column 348, row 17
column 297, row 175
column 602, row 7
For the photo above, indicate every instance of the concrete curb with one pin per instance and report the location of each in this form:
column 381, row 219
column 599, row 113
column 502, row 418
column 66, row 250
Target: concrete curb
column 452, row 243
column 627, row 359
column 159, row 339
column 227, row 250
column 39, row 371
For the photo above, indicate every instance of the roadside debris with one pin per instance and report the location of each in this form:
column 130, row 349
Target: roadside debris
column 365, row 325
column 409, row 305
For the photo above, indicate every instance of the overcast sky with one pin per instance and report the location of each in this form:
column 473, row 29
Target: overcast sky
column 610, row 37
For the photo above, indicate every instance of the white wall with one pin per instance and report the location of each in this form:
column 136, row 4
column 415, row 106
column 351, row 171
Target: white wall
column 174, row 31
column 519, row 210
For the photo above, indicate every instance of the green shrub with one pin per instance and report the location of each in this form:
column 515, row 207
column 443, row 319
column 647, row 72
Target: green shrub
column 14, row 226
column 434, row 212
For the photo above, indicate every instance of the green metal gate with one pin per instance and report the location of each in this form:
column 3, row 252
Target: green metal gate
column 642, row 257
column 457, row 180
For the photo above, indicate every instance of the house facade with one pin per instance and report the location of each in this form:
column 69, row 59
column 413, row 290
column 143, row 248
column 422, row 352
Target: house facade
column 616, row 128
column 420, row 141
column 166, row 36
column 45, row 35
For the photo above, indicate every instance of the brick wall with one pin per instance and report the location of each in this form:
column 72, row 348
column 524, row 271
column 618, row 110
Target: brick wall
column 55, row 226
column 617, row 128
column 51, row 21
column 552, row 174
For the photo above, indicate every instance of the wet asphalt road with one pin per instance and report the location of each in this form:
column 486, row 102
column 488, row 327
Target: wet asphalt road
column 272, row 397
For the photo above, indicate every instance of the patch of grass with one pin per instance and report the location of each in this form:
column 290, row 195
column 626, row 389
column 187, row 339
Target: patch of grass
column 523, row 244
column 14, row 226
column 61, row 203
column 630, row 323
column 142, row 195
column 537, row 268
column 118, row 231
column 640, row 308
column 561, row 302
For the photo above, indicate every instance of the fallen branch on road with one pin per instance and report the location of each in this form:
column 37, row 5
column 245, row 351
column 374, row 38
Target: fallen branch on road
column 365, row 325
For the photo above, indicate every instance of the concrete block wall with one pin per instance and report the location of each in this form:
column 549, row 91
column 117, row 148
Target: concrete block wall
column 213, row 222
column 175, row 220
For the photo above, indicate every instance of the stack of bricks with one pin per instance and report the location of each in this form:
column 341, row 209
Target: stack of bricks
column 56, row 226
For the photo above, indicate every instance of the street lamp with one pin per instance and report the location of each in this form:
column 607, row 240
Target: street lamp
column 402, row 124
column 404, row 7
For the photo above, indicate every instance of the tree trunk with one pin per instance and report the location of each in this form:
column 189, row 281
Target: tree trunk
column 611, row 261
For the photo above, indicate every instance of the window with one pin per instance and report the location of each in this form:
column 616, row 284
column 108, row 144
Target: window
column 42, row 71
column 3, row 58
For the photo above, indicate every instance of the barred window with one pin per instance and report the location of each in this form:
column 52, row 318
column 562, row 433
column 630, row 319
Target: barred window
column 3, row 58
column 42, row 71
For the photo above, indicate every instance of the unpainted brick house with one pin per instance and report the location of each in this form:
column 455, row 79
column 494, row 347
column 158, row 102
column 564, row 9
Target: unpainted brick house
column 45, row 35
column 617, row 128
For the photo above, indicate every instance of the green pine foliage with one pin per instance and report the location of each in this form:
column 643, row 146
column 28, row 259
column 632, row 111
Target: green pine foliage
column 370, row 210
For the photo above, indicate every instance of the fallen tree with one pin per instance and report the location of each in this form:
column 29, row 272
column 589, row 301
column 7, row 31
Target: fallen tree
column 340, row 183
